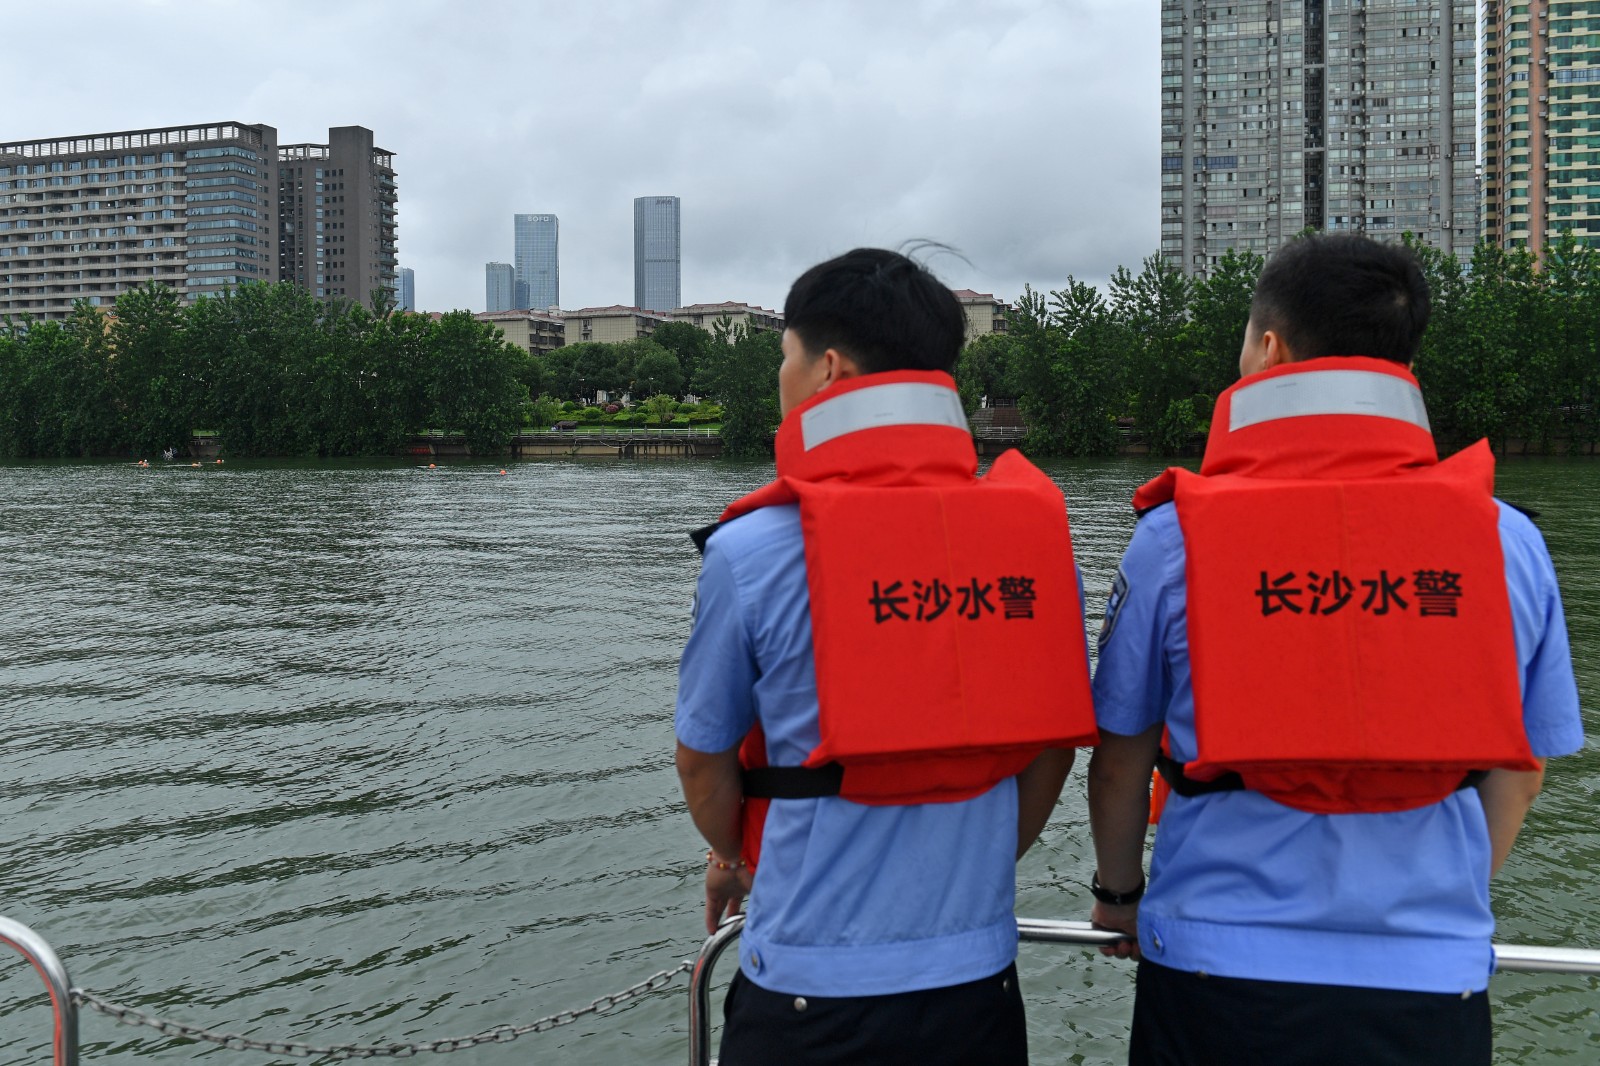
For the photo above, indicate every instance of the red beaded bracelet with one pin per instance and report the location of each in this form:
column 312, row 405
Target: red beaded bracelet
column 711, row 857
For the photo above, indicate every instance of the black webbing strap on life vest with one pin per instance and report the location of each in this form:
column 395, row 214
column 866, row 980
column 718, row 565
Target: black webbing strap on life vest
column 703, row 534
column 793, row 782
column 1184, row 785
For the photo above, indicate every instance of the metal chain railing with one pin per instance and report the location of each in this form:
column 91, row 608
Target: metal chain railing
column 500, row 1034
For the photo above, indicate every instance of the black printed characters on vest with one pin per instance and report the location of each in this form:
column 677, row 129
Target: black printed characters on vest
column 1436, row 593
column 932, row 599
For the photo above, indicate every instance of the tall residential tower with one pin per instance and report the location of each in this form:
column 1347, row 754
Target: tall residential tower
column 1541, row 122
column 536, row 256
column 1279, row 115
column 336, row 213
column 657, row 254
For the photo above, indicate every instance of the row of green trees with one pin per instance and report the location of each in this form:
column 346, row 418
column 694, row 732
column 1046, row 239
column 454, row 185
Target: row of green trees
column 269, row 368
column 1513, row 350
column 1512, row 353
column 274, row 371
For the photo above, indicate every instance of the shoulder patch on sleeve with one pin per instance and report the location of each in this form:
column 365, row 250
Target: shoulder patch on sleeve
column 1114, row 604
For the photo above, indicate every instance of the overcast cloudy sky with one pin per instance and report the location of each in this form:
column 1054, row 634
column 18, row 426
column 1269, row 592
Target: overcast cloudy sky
column 1023, row 132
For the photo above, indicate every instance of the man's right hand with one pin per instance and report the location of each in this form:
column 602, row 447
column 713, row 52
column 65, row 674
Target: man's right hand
column 1122, row 919
column 725, row 892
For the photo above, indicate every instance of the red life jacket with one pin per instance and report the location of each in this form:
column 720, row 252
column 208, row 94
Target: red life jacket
column 946, row 628
column 1349, row 626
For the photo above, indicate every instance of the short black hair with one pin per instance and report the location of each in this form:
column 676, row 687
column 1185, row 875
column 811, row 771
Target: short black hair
column 1343, row 295
column 880, row 308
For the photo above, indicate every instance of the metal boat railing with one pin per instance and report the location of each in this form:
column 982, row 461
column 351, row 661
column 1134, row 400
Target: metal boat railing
column 47, row 963
column 65, row 999
column 1518, row 958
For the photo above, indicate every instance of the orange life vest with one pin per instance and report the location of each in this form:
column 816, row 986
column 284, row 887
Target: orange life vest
column 1349, row 626
column 947, row 634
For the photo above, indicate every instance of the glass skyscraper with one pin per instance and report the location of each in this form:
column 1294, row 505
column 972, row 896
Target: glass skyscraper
column 405, row 289
column 499, row 286
column 657, row 255
column 536, row 257
column 1283, row 115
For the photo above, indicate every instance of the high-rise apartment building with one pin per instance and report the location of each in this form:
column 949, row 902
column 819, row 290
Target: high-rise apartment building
column 405, row 290
column 536, row 256
column 1279, row 115
column 657, row 253
column 87, row 218
column 1541, row 122
column 499, row 286
column 336, row 232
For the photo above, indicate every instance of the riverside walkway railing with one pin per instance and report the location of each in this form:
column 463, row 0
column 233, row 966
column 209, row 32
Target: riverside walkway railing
column 66, row 999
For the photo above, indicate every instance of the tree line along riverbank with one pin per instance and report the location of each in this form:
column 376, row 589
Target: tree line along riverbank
column 1512, row 353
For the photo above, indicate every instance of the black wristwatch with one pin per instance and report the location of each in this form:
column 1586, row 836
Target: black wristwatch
column 1115, row 899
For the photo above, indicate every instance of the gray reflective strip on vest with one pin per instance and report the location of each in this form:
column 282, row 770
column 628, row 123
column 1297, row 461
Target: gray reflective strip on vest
column 1328, row 392
column 903, row 403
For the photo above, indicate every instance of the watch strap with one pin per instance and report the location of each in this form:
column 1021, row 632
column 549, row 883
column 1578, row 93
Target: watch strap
column 1115, row 899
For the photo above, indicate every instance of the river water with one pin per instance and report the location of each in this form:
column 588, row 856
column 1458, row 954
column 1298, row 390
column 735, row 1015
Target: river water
column 375, row 752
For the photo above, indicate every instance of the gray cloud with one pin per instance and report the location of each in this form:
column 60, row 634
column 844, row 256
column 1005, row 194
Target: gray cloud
column 1023, row 132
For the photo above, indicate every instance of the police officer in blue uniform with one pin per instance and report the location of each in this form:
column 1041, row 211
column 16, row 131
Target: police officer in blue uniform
column 881, row 934
column 1270, row 934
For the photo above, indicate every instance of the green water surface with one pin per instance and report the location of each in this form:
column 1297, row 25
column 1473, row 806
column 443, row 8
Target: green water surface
column 371, row 752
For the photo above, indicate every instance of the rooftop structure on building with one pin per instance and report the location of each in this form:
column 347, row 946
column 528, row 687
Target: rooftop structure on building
column 536, row 255
column 89, row 217
column 985, row 313
column 611, row 325
column 1283, row 115
column 753, row 318
column 539, row 332
column 1541, row 122
column 657, row 252
column 337, row 206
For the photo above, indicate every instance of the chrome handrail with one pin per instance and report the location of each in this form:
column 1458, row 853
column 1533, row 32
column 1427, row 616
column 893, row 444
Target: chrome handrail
column 700, row 988
column 48, row 965
column 1531, row 958
column 1509, row 958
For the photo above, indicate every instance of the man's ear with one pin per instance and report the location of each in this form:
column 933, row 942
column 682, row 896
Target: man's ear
column 1275, row 349
column 840, row 367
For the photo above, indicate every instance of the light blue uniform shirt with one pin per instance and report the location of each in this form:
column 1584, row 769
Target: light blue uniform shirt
column 849, row 900
column 1241, row 886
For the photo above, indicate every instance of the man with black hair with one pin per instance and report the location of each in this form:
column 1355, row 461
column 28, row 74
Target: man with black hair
column 878, row 703
column 1349, row 663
